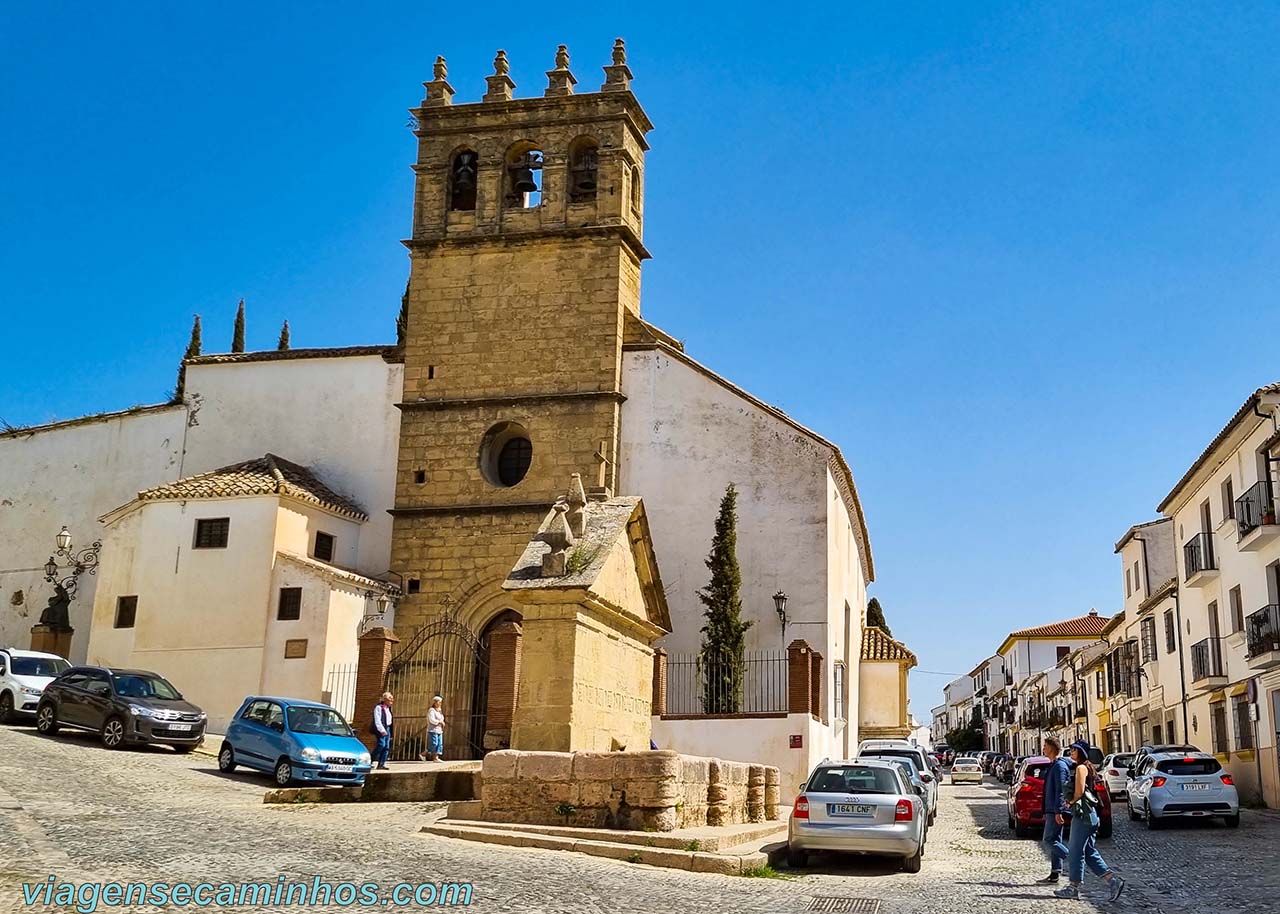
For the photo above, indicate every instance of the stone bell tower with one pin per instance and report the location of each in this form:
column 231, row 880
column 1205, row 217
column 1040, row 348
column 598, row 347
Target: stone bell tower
column 525, row 267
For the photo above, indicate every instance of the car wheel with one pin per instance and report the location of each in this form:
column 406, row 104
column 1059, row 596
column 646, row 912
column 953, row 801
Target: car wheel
column 1021, row 830
column 226, row 759
column 47, row 720
column 1153, row 823
column 797, row 859
column 6, row 707
column 284, row 772
column 1012, row 824
column 113, row 733
column 912, row 864
column 1232, row 821
column 1104, row 829
column 933, row 817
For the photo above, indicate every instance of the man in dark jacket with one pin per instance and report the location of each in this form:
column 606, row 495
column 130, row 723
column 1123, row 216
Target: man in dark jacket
column 1055, row 808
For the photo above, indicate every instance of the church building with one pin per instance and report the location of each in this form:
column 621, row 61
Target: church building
column 525, row 358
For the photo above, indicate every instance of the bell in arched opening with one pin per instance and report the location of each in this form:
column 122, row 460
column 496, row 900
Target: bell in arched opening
column 583, row 173
column 523, row 179
column 462, row 181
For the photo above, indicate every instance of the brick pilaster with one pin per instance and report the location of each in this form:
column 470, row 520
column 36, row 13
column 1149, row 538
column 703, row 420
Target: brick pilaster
column 659, row 682
column 799, row 672
column 376, row 647
column 817, row 679
column 504, row 683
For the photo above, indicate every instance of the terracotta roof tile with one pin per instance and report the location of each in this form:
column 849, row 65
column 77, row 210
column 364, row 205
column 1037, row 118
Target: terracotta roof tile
column 878, row 645
column 267, row 475
column 1089, row 626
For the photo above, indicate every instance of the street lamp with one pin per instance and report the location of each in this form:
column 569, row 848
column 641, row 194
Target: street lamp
column 780, row 604
column 76, row 562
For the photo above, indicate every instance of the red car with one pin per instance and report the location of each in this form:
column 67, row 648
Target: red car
column 1026, row 800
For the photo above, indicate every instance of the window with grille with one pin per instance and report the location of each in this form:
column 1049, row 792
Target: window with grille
column 1148, row 640
column 1218, row 726
column 1100, row 684
column 290, row 607
column 838, row 671
column 126, row 611
column 1170, row 633
column 514, row 460
column 1244, row 726
column 212, row 532
column 324, row 546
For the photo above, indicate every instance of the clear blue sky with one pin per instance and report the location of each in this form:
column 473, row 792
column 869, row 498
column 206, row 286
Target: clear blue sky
column 1019, row 262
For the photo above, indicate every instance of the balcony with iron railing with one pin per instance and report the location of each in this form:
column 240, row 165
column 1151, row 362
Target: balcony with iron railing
column 1262, row 637
column 1256, row 517
column 1199, row 563
column 1207, row 669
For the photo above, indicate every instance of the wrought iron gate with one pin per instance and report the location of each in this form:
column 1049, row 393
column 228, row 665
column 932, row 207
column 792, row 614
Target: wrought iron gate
column 442, row 658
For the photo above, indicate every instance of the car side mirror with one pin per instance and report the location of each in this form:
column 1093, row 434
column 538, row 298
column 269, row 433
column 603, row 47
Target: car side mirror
column 926, row 778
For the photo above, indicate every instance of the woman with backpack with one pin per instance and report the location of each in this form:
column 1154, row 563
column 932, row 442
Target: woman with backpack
column 1083, row 809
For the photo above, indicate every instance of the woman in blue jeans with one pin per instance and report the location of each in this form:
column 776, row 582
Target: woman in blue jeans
column 1082, row 849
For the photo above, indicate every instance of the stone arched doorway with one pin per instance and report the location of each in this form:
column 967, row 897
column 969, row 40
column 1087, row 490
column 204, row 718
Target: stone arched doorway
column 496, row 681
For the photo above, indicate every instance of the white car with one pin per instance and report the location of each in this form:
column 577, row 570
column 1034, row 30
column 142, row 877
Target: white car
column 884, row 744
column 966, row 768
column 23, row 676
column 1115, row 771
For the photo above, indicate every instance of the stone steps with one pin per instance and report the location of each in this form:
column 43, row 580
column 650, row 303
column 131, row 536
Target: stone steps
column 748, row 854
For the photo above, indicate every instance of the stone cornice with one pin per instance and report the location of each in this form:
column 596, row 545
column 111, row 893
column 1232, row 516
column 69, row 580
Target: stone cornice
column 468, row 402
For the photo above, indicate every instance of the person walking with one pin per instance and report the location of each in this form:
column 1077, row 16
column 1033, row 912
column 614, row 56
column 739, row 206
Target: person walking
column 383, row 725
column 1055, row 808
column 435, row 730
column 1083, row 809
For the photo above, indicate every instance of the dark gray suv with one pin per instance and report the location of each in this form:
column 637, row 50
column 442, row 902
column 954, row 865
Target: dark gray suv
column 122, row 706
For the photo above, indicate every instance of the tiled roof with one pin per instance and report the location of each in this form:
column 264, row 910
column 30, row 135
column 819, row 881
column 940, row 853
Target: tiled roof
column 878, row 645
column 1089, row 626
column 1245, row 409
column 276, row 355
column 268, row 475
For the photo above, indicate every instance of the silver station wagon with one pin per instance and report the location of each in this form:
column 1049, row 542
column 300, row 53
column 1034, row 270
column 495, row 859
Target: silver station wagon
column 863, row 806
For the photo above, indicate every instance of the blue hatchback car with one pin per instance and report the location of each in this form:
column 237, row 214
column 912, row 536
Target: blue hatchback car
column 294, row 740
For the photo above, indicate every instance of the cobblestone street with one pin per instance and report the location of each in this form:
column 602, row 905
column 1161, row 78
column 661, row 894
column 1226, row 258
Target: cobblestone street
column 72, row 809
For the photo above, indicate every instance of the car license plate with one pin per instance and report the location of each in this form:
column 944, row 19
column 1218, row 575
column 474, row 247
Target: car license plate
column 1195, row 786
column 858, row 810
column 179, row 726
column 341, row 768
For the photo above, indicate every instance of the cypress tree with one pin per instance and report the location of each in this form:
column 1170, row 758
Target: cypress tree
column 284, row 338
column 402, row 319
column 875, row 615
column 723, row 642
column 237, row 335
column 193, row 350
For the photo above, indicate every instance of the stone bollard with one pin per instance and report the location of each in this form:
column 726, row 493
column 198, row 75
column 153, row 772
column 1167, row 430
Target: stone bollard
column 772, row 792
column 755, row 794
column 718, row 812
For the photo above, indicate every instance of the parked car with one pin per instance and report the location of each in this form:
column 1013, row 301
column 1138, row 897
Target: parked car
column 1026, row 800
column 23, row 677
column 966, row 768
column 863, row 806
column 122, row 706
column 915, row 753
column 294, row 740
column 922, row 779
column 1008, row 765
column 1144, row 752
column 1171, row 785
column 1115, row 771
column 987, row 759
column 884, row 744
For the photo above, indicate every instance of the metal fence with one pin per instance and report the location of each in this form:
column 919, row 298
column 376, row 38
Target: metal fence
column 756, row 685
column 340, row 691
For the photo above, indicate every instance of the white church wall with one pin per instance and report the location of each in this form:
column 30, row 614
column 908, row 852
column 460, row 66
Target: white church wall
column 684, row 438
column 336, row 416
column 846, row 601
column 72, row 474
